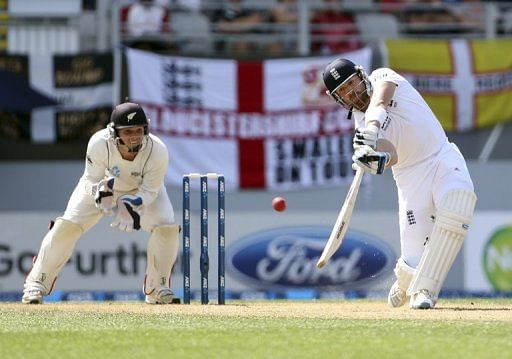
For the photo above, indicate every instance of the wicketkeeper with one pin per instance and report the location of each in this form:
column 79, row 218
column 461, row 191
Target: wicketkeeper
column 124, row 177
column 396, row 128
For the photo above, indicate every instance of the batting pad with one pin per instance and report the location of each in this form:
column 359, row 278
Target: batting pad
column 55, row 251
column 161, row 254
column 450, row 228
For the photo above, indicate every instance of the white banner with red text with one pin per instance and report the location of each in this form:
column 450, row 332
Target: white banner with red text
column 263, row 124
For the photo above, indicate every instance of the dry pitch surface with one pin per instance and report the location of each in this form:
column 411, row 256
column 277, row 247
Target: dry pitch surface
column 466, row 309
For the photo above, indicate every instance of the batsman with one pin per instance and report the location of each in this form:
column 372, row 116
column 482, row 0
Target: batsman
column 124, row 174
column 395, row 128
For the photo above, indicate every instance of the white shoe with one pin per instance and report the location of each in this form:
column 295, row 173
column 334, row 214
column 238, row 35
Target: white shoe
column 422, row 300
column 397, row 296
column 161, row 295
column 32, row 296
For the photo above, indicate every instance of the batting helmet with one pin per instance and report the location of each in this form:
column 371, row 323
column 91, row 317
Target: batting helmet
column 339, row 72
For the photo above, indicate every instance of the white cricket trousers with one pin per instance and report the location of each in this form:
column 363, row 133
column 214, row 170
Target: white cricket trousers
column 421, row 188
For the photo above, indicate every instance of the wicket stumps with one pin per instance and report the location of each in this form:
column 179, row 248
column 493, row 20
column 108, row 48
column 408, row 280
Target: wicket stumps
column 204, row 262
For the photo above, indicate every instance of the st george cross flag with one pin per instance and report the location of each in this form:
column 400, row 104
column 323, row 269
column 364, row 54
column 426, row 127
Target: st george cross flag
column 263, row 124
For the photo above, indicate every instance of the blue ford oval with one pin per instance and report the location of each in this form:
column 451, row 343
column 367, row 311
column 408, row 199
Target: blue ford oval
column 286, row 257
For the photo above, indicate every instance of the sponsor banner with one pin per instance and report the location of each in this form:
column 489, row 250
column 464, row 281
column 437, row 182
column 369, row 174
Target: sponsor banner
column 271, row 253
column 467, row 83
column 103, row 258
column 286, row 258
column 248, row 119
column 284, row 250
column 488, row 253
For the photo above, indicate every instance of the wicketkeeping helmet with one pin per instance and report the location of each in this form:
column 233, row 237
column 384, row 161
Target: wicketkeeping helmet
column 128, row 114
column 125, row 115
column 339, row 72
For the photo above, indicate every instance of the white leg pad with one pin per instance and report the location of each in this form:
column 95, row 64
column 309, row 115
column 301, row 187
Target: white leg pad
column 161, row 254
column 451, row 225
column 55, row 251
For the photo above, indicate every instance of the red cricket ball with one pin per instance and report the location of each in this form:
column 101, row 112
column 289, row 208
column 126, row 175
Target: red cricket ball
column 279, row 204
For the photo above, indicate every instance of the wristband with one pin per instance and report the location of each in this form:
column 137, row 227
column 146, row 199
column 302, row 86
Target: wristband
column 376, row 113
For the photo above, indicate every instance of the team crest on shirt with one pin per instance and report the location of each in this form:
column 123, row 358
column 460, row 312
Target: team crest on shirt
column 135, row 174
column 410, row 217
column 115, row 171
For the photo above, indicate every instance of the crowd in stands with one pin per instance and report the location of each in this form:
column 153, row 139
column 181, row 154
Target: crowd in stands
column 271, row 27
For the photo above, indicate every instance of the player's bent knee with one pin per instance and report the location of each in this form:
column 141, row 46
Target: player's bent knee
column 456, row 211
column 66, row 229
column 168, row 231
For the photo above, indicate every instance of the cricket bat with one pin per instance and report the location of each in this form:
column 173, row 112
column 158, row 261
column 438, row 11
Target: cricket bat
column 342, row 222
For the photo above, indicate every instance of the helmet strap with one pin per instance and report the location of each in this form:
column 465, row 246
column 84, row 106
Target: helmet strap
column 349, row 115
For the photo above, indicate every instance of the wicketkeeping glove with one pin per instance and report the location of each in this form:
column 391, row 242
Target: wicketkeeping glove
column 370, row 160
column 366, row 136
column 129, row 211
column 104, row 195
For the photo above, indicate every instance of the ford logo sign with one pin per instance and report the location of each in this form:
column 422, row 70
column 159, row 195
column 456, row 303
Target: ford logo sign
column 286, row 257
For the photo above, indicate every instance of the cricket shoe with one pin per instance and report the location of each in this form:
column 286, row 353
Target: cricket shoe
column 161, row 295
column 32, row 296
column 397, row 296
column 422, row 300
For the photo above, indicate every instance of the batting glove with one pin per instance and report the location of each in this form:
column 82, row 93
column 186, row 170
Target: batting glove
column 366, row 136
column 129, row 211
column 104, row 195
column 370, row 160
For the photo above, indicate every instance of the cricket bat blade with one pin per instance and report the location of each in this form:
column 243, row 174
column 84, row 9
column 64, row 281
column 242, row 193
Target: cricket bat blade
column 340, row 227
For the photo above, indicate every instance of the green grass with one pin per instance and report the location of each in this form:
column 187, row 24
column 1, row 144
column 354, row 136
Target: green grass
column 49, row 332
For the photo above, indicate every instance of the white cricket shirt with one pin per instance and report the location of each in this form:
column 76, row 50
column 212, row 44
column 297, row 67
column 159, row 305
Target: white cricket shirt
column 144, row 174
column 410, row 126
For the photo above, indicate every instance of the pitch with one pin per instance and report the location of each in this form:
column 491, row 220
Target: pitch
column 475, row 328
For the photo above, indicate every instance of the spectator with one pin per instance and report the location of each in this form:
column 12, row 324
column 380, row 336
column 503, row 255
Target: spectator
column 235, row 20
column 431, row 17
column 471, row 13
column 334, row 31
column 285, row 16
column 144, row 20
column 147, row 17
